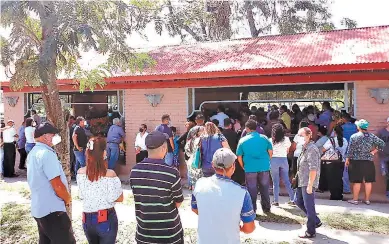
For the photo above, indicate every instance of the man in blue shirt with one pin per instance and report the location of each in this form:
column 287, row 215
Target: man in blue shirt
column 49, row 188
column 164, row 128
column 115, row 136
column 254, row 153
column 325, row 118
column 349, row 129
column 219, row 222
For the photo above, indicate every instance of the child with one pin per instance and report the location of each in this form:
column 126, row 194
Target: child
column 176, row 162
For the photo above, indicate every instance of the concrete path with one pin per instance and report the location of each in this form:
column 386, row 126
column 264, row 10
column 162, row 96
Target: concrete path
column 265, row 232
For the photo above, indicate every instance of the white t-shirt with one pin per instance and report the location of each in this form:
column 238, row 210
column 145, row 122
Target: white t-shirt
column 220, row 117
column 9, row 135
column 299, row 140
column 29, row 133
column 98, row 195
column 140, row 141
column 280, row 150
column 342, row 149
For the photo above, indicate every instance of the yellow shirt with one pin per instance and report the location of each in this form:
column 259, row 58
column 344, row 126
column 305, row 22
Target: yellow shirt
column 287, row 120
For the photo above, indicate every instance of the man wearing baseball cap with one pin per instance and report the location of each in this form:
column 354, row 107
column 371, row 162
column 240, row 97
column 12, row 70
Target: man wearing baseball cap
column 157, row 193
column 383, row 134
column 221, row 203
column 49, row 188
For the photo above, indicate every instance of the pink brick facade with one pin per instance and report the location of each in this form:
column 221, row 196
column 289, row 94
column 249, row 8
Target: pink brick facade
column 368, row 108
column 16, row 113
column 138, row 111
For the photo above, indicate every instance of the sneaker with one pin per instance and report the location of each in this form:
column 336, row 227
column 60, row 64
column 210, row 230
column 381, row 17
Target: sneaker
column 346, row 193
column 291, row 203
column 367, row 202
column 319, row 225
column 275, row 204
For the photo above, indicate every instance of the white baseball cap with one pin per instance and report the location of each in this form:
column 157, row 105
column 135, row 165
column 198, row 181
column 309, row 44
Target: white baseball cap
column 387, row 120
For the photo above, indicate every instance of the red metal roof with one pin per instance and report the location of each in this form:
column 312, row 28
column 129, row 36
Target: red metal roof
column 340, row 47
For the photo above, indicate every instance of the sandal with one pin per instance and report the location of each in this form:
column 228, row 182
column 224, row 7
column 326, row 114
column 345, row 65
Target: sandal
column 306, row 235
column 367, row 202
column 353, row 202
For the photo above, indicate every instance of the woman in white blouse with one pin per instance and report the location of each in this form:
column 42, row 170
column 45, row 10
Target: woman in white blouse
column 99, row 188
column 335, row 145
column 279, row 163
column 140, row 145
column 29, row 133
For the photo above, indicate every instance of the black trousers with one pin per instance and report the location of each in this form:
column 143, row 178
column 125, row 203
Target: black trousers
column 23, row 157
column 141, row 155
column 55, row 228
column 323, row 181
column 334, row 173
column 72, row 161
column 9, row 159
column 239, row 175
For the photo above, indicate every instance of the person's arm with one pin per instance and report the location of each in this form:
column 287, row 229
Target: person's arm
column 122, row 134
column 270, row 152
column 176, row 190
column 172, row 143
column 350, row 150
column 329, row 131
column 52, row 169
column 60, row 189
column 239, row 154
column 115, row 191
column 75, row 140
column 313, row 165
column 247, row 215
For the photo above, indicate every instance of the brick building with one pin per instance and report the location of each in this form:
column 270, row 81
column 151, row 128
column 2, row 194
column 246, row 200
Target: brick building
column 354, row 61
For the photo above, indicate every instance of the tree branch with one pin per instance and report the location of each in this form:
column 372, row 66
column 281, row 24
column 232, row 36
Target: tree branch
column 30, row 33
column 250, row 19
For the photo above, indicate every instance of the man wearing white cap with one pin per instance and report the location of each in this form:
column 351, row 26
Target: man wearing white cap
column 221, row 203
column 9, row 137
column 383, row 134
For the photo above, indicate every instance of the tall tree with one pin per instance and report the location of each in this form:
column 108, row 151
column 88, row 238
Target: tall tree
column 47, row 38
column 205, row 20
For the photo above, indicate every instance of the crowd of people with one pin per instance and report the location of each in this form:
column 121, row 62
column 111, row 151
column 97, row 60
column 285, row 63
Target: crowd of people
column 230, row 157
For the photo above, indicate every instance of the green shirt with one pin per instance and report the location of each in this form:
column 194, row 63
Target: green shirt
column 254, row 149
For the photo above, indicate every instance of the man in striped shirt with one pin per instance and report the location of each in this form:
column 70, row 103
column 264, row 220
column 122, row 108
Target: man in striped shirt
column 158, row 195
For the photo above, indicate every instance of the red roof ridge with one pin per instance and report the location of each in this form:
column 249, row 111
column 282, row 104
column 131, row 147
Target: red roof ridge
column 259, row 37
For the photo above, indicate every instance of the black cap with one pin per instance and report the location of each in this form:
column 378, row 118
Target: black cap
column 45, row 128
column 155, row 139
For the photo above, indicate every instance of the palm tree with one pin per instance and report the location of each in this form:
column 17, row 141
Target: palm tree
column 47, row 38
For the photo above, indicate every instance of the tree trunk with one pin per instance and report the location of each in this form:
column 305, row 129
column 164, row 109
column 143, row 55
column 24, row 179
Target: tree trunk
column 250, row 19
column 50, row 94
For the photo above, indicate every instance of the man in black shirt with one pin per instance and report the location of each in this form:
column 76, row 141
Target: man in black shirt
column 72, row 125
column 80, row 141
column 232, row 138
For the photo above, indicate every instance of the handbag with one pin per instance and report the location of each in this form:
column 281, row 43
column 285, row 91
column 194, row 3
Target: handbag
column 332, row 154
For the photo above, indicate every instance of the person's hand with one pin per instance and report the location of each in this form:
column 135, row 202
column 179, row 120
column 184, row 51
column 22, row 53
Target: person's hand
column 347, row 162
column 137, row 150
column 374, row 152
column 79, row 149
column 309, row 189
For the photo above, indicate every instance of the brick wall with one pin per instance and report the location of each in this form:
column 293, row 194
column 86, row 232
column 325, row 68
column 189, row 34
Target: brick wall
column 368, row 108
column 16, row 113
column 139, row 111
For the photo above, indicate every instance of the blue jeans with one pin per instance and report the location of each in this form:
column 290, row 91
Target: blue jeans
column 169, row 159
column 113, row 152
column 346, row 181
column 306, row 202
column 102, row 233
column 80, row 160
column 280, row 166
column 259, row 181
column 29, row 147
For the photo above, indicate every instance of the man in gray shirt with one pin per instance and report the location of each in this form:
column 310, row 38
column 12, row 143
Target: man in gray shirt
column 383, row 134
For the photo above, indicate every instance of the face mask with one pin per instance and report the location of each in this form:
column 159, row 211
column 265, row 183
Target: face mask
column 141, row 129
column 110, row 114
column 33, row 124
column 85, row 123
column 56, row 140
